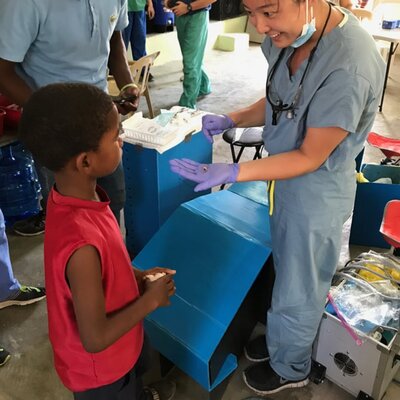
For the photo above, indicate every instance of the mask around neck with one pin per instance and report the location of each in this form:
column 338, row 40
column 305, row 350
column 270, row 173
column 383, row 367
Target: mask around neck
column 307, row 31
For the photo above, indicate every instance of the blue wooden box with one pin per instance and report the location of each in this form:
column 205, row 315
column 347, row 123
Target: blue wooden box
column 219, row 245
column 153, row 192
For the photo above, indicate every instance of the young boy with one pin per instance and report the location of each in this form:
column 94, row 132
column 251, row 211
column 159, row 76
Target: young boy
column 96, row 301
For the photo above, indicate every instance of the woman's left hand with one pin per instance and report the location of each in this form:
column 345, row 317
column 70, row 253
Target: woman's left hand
column 206, row 175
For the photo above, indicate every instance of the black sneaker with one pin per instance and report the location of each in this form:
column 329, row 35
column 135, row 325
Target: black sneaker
column 4, row 356
column 31, row 226
column 161, row 390
column 27, row 295
column 256, row 350
column 263, row 380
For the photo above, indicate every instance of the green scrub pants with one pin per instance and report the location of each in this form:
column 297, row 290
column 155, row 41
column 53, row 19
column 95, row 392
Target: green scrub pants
column 192, row 32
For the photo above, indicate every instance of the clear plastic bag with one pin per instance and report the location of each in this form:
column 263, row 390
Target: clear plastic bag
column 364, row 307
column 374, row 266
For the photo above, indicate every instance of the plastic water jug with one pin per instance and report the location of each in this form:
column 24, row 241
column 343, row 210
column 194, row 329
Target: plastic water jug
column 19, row 185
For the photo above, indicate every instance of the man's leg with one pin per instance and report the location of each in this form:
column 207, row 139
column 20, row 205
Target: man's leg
column 11, row 292
column 9, row 285
column 127, row 32
column 138, row 36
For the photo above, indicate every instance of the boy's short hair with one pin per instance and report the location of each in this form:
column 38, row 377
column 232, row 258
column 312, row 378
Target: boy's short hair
column 62, row 120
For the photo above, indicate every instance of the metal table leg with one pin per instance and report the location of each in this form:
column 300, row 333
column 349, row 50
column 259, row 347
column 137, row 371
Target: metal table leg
column 392, row 50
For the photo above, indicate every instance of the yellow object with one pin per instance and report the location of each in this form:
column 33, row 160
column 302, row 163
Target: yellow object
column 395, row 274
column 128, row 85
column 369, row 276
column 361, row 178
column 271, row 191
column 232, row 41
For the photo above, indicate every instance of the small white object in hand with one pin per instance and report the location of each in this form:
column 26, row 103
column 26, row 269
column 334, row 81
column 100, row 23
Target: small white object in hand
column 154, row 277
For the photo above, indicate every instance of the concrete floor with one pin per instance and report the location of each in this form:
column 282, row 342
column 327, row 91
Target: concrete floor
column 238, row 80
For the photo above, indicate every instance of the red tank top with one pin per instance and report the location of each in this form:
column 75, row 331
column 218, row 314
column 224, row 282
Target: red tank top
column 70, row 224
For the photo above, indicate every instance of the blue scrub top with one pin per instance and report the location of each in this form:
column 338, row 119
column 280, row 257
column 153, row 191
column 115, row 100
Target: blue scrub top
column 342, row 88
column 60, row 40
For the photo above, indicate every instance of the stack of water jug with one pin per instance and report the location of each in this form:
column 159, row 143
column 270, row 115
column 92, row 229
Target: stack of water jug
column 19, row 185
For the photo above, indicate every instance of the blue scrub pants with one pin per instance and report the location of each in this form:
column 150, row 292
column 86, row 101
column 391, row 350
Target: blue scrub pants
column 9, row 286
column 114, row 186
column 192, row 32
column 135, row 34
column 306, row 242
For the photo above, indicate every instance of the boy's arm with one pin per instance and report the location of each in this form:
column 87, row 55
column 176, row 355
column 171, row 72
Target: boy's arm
column 97, row 329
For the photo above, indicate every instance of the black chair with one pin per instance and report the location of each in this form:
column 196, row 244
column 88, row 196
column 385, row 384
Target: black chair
column 242, row 138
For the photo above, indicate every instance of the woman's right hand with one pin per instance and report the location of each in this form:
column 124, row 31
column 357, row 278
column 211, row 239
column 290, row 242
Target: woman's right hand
column 213, row 124
column 160, row 290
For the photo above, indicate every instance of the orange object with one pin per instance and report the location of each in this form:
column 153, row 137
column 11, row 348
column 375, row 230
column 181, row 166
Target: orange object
column 390, row 147
column 390, row 227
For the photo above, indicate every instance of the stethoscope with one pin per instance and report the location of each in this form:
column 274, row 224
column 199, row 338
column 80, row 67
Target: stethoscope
column 278, row 107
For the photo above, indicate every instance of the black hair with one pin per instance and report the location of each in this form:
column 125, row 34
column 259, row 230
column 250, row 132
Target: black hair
column 62, row 120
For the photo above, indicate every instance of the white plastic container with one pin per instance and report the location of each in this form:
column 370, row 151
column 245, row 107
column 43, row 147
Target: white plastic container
column 368, row 368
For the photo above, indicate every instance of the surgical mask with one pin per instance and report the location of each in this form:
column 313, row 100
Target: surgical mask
column 308, row 30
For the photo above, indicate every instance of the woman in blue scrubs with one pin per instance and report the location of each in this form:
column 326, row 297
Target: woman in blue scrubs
column 322, row 92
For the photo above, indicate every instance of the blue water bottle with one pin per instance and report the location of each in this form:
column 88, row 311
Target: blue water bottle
column 19, row 185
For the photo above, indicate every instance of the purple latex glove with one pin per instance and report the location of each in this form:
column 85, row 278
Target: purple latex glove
column 206, row 175
column 215, row 124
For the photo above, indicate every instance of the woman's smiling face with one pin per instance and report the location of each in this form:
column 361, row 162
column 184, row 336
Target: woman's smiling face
column 281, row 20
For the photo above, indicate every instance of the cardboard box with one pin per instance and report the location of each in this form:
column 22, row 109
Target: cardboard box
column 368, row 368
column 370, row 202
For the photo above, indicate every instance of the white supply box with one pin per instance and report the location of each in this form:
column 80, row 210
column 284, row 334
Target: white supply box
column 368, row 368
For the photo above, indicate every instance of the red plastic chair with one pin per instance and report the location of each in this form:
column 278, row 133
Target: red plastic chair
column 390, row 227
column 390, row 147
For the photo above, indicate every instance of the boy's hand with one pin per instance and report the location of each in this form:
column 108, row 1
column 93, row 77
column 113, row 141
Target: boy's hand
column 157, row 270
column 160, row 290
column 140, row 275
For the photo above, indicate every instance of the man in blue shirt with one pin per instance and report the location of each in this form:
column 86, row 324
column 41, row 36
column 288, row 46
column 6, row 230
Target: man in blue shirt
column 46, row 41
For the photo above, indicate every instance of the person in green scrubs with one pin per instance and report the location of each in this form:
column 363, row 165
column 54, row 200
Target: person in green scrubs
column 192, row 28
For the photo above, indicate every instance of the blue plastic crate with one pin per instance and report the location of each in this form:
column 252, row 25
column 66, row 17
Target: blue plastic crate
column 153, row 192
column 370, row 202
